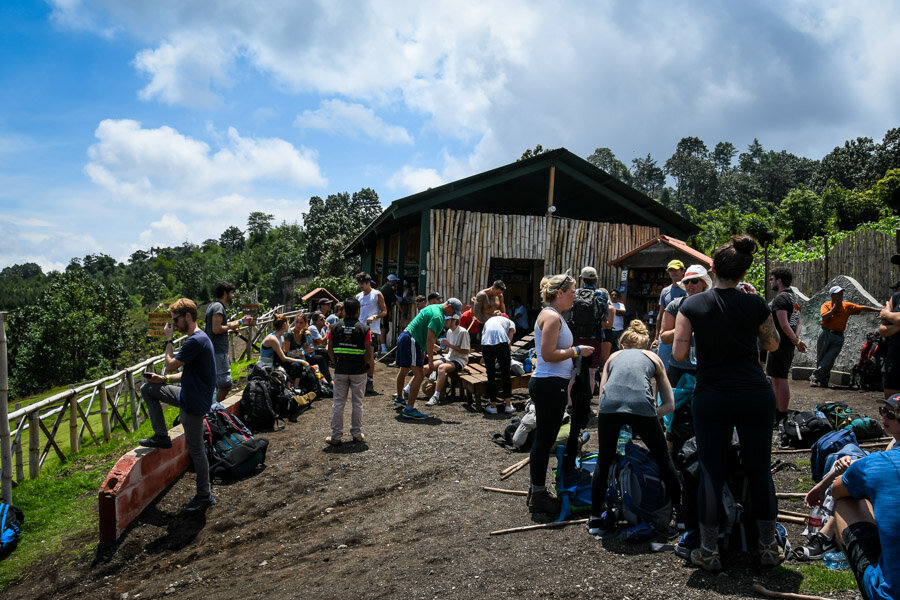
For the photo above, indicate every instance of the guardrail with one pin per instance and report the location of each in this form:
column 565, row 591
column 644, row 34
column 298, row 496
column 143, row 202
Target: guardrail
column 115, row 398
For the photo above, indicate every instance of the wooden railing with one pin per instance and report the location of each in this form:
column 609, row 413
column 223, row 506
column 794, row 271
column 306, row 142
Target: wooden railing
column 115, row 398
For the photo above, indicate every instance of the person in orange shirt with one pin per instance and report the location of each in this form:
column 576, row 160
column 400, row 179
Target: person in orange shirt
column 835, row 314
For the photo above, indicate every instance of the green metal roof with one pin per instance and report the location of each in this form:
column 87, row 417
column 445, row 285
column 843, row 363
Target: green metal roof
column 581, row 191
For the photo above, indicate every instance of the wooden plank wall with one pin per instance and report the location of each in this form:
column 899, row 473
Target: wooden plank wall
column 864, row 256
column 463, row 243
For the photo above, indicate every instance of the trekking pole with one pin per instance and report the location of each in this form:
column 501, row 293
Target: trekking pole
column 759, row 589
column 386, row 354
column 553, row 525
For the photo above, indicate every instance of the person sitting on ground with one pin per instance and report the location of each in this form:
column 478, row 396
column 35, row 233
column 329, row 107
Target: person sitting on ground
column 457, row 342
column 549, row 384
column 317, row 335
column 337, row 316
column 272, row 350
column 627, row 397
column 291, row 344
column 495, row 341
column 350, row 346
column 867, row 501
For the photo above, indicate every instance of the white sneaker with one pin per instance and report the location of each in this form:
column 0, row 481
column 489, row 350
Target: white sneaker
column 491, row 410
column 509, row 409
column 433, row 401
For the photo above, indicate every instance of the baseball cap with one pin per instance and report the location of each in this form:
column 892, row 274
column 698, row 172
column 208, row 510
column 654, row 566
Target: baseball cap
column 893, row 401
column 675, row 264
column 836, row 289
column 589, row 273
column 457, row 307
column 393, row 277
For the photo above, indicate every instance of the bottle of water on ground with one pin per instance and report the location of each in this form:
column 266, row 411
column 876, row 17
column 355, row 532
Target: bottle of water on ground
column 624, row 438
column 529, row 362
column 814, row 521
column 836, row 561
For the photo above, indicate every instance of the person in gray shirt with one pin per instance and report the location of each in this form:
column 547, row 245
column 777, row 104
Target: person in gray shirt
column 217, row 327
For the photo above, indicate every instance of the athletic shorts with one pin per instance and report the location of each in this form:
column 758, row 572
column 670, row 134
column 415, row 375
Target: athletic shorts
column 408, row 352
column 593, row 343
column 456, row 364
column 862, row 546
column 778, row 363
column 223, row 372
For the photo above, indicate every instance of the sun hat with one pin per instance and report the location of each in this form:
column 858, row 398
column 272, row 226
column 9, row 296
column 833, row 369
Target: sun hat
column 835, row 290
column 698, row 272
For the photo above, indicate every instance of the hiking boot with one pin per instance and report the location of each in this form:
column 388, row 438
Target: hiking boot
column 413, row 413
column 816, row 547
column 157, row 441
column 770, row 555
column 706, row 559
column 199, row 504
column 689, row 541
column 359, row 439
column 333, row 441
column 370, row 389
column 399, row 400
column 491, row 410
column 433, row 401
column 542, row 502
column 509, row 408
column 304, row 399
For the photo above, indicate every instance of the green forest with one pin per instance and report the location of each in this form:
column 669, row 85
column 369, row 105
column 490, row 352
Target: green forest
column 90, row 319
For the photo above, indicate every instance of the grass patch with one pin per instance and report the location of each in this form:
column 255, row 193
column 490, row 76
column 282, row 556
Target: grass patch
column 803, row 462
column 818, row 579
column 241, row 368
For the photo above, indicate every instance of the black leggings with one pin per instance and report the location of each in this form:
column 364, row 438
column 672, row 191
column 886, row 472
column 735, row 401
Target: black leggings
column 495, row 356
column 650, row 432
column 320, row 359
column 550, row 396
column 716, row 415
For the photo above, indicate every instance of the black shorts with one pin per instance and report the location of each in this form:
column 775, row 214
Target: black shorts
column 862, row 546
column 890, row 376
column 778, row 363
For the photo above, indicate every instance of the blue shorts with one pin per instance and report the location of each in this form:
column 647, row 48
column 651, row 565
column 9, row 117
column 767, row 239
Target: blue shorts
column 458, row 366
column 223, row 372
column 408, row 352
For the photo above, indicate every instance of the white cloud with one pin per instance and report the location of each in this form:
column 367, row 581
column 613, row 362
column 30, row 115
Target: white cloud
column 353, row 121
column 151, row 165
column 413, row 180
column 168, row 231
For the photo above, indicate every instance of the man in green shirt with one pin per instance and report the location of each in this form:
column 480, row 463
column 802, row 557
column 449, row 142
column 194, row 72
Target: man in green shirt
column 417, row 341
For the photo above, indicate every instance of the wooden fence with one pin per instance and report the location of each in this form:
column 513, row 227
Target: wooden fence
column 864, row 256
column 463, row 243
column 116, row 399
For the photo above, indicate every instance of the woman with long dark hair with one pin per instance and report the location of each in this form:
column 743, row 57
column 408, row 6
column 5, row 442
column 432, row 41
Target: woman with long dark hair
column 732, row 392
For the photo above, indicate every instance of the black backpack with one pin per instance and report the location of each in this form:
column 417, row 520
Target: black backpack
column 256, row 406
column 803, row 429
column 586, row 314
column 231, row 448
column 287, row 402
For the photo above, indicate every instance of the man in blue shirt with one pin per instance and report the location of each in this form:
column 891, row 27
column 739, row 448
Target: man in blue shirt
column 675, row 269
column 867, row 501
column 193, row 397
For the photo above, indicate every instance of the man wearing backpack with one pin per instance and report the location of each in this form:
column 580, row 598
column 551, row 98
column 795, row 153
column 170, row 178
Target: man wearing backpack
column 835, row 314
column 588, row 315
column 193, row 397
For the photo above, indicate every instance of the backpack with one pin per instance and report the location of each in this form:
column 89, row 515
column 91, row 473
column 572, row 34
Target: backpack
column 803, row 429
column 636, row 490
column 866, row 373
column 866, row 428
column 256, row 406
column 838, row 414
column 573, row 487
column 286, row 402
column 11, row 520
column 586, row 314
column 231, row 448
column 825, row 447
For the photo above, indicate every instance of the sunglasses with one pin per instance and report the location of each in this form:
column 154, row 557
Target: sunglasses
column 687, row 281
column 884, row 411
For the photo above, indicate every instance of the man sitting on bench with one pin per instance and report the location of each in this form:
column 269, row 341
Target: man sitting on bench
column 457, row 341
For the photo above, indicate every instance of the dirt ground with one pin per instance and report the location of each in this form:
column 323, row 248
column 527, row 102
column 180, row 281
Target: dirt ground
column 402, row 516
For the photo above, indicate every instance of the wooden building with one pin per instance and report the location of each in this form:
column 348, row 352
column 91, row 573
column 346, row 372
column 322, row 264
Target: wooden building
column 543, row 215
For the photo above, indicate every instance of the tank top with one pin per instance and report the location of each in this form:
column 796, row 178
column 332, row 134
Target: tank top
column 368, row 306
column 267, row 354
column 629, row 386
column 562, row 368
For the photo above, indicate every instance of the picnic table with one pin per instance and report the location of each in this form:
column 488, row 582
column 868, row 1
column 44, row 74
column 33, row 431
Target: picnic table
column 471, row 384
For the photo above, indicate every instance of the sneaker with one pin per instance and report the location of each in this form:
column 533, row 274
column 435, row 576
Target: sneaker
column 413, row 413
column 509, row 409
column 601, row 525
column 370, row 389
column 199, row 504
column 816, row 547
column 491, row 410
column 359, row 439
column 332, row 441
column 689, row 541
column 771, row 555
column 157, row 441
column 706, row 560
column 399, row 400
column 433, row 401
column 542, row 502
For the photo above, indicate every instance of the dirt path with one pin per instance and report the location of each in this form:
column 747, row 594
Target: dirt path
column 402, row 516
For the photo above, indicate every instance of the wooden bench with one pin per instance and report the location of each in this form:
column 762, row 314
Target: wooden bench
column 471, row 384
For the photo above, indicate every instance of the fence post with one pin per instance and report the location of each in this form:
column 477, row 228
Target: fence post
column 826, row 260
column 132, row 399
column 104, row 412
column 74, row 439
column 20, row 473
column 34, row 444
column 5, row 459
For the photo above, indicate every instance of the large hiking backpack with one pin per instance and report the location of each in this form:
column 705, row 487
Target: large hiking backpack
column 841, row 416
column 838, row 414
column 866, row 373
column 824, row 447
column 573, row 487
column 11, row 520
column 586, row 314
column 231, row 448
column 256, row 406
column 803, row 429
column 287, row 402
column 636, row 490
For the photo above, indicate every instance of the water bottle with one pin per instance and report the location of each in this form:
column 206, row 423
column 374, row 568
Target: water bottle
column 528, row 364
column 624, row 438
column 836, row 561
column 813, row 521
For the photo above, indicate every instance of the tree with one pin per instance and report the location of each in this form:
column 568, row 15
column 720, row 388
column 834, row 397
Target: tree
column 849, row 165
column 803, row 213
column 331, row 224
column 748, row 160
column 694, row 173
column 232, row 238
column 647, row 177
column 723, row 154
column 604, row 158
column 887, row 190
column 258, row 225
column 532, row 153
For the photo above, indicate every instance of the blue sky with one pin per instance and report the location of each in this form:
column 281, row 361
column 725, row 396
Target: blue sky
column 130, row 124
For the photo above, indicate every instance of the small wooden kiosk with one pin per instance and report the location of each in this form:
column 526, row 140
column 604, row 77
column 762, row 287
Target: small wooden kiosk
column 643, row 273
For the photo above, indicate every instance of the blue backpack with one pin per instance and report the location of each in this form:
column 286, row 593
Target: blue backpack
column 824, row 447
column 636, row 490
column 11, row 519
column 573, row 488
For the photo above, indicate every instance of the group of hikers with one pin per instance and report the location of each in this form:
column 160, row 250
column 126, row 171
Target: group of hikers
column 713, row 333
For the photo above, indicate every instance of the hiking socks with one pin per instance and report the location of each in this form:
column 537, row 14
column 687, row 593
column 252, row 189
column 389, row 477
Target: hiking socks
column 437, row 395
column 406, row 390
column 384, row 349
column 766, row 532
column 709, row 537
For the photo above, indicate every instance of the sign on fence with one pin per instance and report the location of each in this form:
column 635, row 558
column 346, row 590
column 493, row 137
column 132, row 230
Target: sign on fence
column 155, row 323
column 250, row 309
